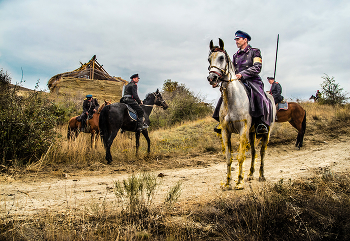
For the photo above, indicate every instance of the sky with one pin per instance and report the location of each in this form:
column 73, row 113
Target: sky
column 163, row 40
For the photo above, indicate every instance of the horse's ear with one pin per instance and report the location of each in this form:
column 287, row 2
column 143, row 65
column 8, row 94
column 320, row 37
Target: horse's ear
column 211, row 45
column 221, row 43
column 157, row 91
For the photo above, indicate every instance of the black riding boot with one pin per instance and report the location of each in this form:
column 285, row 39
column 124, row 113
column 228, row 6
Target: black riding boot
column 141, row 125
column 262, row 128
column 83, row 125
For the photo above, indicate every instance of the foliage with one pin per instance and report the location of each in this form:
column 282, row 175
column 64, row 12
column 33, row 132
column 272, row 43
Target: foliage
column 332, row 93
column 138, row 191
column 183, row 106
column 27, row 123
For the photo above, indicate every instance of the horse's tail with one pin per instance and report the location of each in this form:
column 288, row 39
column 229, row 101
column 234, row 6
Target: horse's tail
column 103, row 124
column 303, row 125
column 69, row 133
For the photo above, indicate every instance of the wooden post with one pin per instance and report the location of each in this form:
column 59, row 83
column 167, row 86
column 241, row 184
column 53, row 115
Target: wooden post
column 93, row 68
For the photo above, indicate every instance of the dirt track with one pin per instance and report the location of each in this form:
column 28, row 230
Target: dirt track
column 36, row 193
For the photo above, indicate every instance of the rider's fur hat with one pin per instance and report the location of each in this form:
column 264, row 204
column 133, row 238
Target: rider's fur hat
column 241, row 34
column 134, row 76
column 270, row 78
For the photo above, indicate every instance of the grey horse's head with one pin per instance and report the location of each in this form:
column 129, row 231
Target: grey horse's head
column 218, row 63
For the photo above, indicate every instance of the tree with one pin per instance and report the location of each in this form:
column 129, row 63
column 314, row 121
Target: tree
column 183, row 105
column 332, row 93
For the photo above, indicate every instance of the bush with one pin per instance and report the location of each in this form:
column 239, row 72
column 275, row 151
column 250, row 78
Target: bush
column 332, row 93
column 27, row 123
column 183, row 106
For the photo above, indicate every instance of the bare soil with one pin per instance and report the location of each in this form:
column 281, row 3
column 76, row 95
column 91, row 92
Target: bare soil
column 201, row 178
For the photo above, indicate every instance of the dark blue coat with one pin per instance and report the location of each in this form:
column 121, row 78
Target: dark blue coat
column 276, row 91
column 248, row 63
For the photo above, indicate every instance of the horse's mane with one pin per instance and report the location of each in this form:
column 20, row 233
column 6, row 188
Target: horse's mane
column 147, row 96
column 103, row 105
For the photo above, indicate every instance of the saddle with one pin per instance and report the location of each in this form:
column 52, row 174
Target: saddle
column 283, row 105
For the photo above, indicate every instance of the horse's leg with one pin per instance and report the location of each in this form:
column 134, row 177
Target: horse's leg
column 253, row 153
column 92, row 138
column 145, row 134
column 265, row 140
column 108, row 143
column 137, row 136
column 299, row 128
column 243, row 144
column 226, row 139
column 303, row 126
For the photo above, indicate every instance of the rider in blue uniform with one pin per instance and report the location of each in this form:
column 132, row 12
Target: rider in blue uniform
column 247, row 62
column 90, row 106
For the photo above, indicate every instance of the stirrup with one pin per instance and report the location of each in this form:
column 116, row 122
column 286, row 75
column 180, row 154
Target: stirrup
column 262, row 129
column 217, row 128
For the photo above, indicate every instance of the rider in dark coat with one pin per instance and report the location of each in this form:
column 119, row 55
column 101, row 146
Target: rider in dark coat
column 131, row 98
column 248, row 63
column 276, row 90
column 90, row 106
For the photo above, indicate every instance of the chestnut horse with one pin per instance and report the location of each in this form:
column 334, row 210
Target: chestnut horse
column 91, row 127
column 296, row 116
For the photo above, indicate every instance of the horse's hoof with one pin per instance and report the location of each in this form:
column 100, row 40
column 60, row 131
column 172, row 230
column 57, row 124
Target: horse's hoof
column 239, row 186
column 226, row 187
column 262, row 179
column 249, row 178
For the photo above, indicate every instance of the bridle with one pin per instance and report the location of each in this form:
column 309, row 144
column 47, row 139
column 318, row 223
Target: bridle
column 224, row 71
column 157, row 98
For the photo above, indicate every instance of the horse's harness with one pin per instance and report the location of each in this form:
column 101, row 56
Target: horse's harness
column 156, row 98
column 223, row 71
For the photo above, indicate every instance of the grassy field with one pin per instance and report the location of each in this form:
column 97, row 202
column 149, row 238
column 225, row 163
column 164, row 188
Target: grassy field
column 317, row 208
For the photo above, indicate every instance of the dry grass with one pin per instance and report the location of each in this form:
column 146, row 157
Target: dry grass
column 316, row 208
column 182, row 141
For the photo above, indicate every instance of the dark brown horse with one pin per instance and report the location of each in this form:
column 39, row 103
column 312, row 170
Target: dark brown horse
column 92, row 125
column 296, row 116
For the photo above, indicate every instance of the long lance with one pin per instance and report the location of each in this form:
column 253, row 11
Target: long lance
column 274, row 74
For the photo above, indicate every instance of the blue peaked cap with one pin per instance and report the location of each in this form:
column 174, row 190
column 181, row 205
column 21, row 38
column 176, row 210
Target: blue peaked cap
column 241, row 34
column 88, row 96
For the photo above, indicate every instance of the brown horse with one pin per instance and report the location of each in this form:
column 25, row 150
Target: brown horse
column 91, row 127
column 296, row 116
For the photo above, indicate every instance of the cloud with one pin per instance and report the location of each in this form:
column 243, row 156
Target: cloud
column 169, row 40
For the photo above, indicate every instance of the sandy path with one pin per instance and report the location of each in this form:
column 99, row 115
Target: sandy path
column 23, row 197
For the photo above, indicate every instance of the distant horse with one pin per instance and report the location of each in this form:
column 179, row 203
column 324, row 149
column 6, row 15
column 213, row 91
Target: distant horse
column 91, row 127
column 116, row 116
column 296, row 116
column 312, row 97
column 234, row 114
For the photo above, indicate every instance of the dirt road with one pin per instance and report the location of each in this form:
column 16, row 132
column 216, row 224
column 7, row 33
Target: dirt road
column 33, row 194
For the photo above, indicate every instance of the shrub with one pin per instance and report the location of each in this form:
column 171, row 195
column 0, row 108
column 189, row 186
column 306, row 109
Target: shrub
column 183, row 106
column 27, row 123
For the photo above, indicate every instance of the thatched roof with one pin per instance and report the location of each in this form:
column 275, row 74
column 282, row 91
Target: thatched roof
column 91, row 70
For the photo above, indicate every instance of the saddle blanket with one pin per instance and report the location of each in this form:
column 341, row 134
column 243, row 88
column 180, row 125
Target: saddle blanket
column 132, row 112
column 282, row 106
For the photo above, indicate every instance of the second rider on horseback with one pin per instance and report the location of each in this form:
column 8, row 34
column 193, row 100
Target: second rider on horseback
column 132, row 99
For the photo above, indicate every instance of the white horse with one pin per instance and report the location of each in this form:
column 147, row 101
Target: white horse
column 234, row 114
